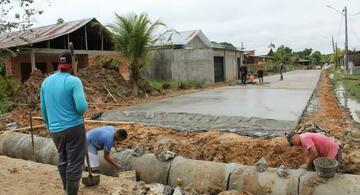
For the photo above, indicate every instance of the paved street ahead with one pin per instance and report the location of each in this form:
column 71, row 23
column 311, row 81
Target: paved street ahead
column 275, row 106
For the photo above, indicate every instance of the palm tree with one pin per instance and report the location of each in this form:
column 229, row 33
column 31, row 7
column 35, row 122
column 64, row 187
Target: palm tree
column 133, row 35
column 337, row 56
column 271, row 46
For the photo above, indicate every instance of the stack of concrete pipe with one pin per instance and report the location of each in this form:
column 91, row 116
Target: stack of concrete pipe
column 201, row 176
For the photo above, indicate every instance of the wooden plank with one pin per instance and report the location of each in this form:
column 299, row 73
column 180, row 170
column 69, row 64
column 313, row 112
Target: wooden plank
column 130, row 175
column 110, row 122
column 86, row 39
column 33, row 63
column 87, row 120
column 24, row 128
column 59, row 51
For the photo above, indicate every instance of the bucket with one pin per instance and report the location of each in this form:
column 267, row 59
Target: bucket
column 325, row 167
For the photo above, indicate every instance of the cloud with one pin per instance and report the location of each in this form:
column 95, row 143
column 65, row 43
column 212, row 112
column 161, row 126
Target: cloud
column 297, row 24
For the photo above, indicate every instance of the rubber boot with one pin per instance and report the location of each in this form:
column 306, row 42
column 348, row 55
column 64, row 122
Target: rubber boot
column 72, row 187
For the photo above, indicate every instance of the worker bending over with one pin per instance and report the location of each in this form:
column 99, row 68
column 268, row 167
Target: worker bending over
column 315, row 145
column 103, row 138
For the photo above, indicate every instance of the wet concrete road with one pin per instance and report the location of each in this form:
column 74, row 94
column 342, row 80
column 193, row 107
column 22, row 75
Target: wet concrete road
column 280, row 100
column 259, row 111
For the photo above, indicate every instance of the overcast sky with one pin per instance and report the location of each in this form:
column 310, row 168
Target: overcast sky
column 294, row 23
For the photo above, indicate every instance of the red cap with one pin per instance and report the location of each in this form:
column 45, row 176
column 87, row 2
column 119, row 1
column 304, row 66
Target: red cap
column 64, row 66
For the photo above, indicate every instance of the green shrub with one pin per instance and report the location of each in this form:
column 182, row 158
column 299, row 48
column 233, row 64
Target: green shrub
column 7, row 89
column 160, row 84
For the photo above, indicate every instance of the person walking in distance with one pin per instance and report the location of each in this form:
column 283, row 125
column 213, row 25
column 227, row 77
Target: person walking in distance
column 243, row 74
column 63, row 104
column 260, row 71
column 281, row 69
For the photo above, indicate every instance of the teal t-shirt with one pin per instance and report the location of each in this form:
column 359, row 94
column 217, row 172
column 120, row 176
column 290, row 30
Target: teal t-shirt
column 62, row 101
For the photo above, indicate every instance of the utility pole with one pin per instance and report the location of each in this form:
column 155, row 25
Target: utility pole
column 336, row 54
column 346, row 55
column 242, row 54
column 334, row 51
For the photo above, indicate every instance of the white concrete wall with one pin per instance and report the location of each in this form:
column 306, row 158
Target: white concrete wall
column 196, row 43
column 193, row 65
column 230, row 64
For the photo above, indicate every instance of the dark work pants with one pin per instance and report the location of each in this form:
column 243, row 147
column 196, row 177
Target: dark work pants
column 70, row 145
column 243, row 78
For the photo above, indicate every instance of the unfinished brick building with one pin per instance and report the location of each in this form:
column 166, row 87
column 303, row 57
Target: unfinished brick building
column 39, row 48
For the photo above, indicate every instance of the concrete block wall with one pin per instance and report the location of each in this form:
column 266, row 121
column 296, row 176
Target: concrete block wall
column 193, row 65
column 159, row 67
column 230, row 65
column 196, row 43
column 190, row 64
column 230, row 62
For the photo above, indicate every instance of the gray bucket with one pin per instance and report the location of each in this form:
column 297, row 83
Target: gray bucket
column 325, row 167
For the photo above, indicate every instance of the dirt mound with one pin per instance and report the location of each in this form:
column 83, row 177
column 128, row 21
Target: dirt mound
column 29, row 91
column 103, row 85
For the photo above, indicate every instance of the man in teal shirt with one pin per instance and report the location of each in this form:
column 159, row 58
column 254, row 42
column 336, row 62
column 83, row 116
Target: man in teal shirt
column 63, row 104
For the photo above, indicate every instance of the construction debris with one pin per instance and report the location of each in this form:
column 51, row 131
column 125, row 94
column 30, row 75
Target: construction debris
column 29, row 91
column 261, row 165
column 282, row 171
column 138, row 150
column 165, row 155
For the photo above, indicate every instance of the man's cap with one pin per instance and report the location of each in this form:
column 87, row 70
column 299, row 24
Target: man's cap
column 65, row 61
column 289, row 136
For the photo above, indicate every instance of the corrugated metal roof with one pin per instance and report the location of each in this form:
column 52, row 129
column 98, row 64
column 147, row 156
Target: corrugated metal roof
column 182, row 38
column 40, row 34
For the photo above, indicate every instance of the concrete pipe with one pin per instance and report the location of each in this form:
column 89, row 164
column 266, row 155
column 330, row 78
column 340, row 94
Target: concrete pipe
column 202, row 176
column 148, row 168
column 343, row 184
column 18, row 145
column 151, row 170
column 246, row 178
column 124, row 158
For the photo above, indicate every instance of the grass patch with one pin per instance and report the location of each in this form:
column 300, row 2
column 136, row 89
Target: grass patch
column 351, row 83
column 173, row 84
column 160, row 84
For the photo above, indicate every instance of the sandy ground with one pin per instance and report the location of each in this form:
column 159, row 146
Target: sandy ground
column 21, row 177
column 26, row 177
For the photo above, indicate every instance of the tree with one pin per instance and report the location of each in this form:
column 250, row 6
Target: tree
column 134, row 35
column 316, row 58
column 60, row 21
column 271, row 46
column 16, row 15
column 337, row 56
column 227, row 45
column 283, row 54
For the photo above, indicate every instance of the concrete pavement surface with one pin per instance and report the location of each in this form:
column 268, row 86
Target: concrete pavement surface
column 265, row 110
